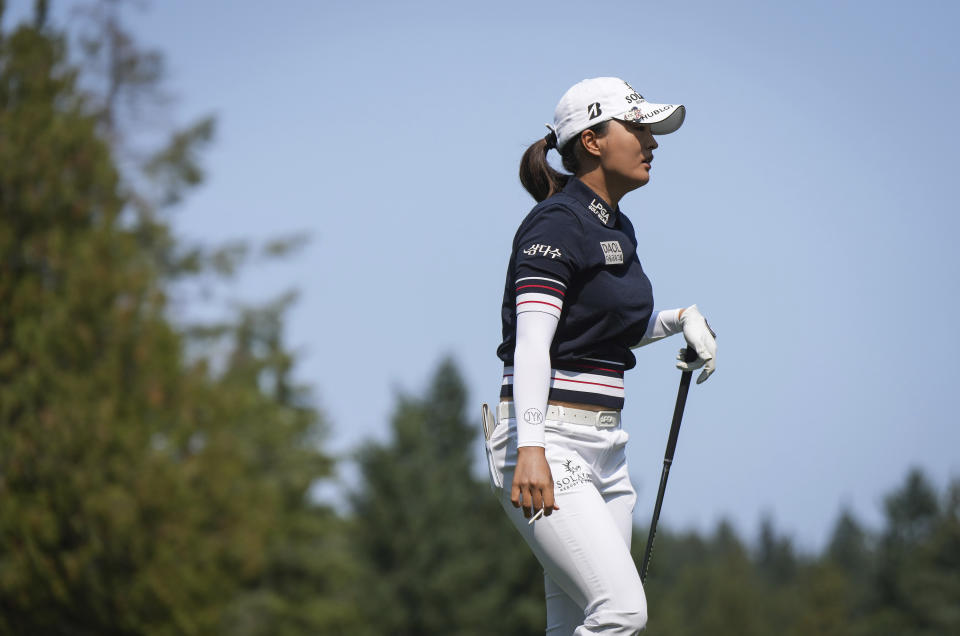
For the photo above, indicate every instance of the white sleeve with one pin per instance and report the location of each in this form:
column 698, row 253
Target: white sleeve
column 531, row 374
column 662, row 324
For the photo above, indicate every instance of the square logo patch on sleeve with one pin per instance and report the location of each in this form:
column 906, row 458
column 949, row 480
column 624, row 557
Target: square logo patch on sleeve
column 612, row 253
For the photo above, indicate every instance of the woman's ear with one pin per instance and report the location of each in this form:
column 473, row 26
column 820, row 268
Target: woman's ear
column 590, row 142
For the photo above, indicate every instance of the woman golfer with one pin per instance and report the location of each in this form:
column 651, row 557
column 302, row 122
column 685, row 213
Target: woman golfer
column 576, row 303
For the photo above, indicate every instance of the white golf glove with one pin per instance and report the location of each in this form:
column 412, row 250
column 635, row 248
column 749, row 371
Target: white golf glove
column 701, row 338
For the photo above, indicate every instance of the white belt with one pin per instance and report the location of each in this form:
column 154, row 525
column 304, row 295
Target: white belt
column 600, row 419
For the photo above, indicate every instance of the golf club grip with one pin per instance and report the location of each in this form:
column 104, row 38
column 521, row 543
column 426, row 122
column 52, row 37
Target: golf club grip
column 678, row 414
column 690, row 354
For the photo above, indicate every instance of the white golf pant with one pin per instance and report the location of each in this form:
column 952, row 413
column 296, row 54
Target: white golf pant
column 592, row 585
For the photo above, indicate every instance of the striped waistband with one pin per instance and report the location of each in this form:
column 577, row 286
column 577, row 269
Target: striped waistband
column 598, row 383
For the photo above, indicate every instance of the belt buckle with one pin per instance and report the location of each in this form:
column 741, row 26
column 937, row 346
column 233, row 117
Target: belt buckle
column 607, row 419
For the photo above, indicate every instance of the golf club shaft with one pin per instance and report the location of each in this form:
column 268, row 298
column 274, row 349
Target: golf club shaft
column 667, row 460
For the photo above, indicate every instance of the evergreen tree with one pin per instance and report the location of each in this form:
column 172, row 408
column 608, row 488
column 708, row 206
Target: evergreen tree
column 848, row 548
column 824, row 602
column 717, row 594
column 917, row 581
column 938, row 566
column 439, row 555
column 143, row 493
column 775, row 557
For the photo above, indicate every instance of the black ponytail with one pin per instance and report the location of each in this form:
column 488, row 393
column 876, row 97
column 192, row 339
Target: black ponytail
column 538, row 176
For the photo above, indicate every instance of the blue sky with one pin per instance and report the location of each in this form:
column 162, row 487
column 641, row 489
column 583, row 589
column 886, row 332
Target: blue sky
column 807, row 205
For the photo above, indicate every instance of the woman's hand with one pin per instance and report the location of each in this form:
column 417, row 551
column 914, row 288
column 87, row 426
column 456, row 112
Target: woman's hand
column 532, row 482
column 700, row 338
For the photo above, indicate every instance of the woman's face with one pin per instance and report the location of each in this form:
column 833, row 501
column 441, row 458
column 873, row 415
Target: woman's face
column 626, row 152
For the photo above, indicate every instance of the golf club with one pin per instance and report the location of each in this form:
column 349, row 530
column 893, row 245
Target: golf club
column 689, row 356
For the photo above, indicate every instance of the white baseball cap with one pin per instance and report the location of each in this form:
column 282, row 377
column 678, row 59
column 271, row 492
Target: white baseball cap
column 599, row 99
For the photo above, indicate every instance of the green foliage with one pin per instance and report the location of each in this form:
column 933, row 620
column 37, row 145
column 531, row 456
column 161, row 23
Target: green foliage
column 178, row 164
column 918, row 578
column 143, row 492
column 849, row 549
column 710, row 592
column 902, row 581
column 775, row 557
column 438, row 554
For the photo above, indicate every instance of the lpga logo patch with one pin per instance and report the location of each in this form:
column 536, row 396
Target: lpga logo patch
column 612, row 252
column 597, row 208
column 575, row 476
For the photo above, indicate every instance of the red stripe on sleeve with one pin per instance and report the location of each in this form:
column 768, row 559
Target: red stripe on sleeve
column 543, row 287
column 539, row 302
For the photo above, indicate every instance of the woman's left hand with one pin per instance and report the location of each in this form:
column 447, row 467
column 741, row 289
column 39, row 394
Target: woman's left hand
column 700, row 338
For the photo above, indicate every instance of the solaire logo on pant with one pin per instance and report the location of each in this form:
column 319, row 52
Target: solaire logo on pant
column 574, row 476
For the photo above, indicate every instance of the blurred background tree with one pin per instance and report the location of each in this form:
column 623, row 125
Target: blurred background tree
column 904, row 579
column 154, row 478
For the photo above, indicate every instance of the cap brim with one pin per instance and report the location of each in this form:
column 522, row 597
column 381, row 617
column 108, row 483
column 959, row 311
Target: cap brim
column 663, row 119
